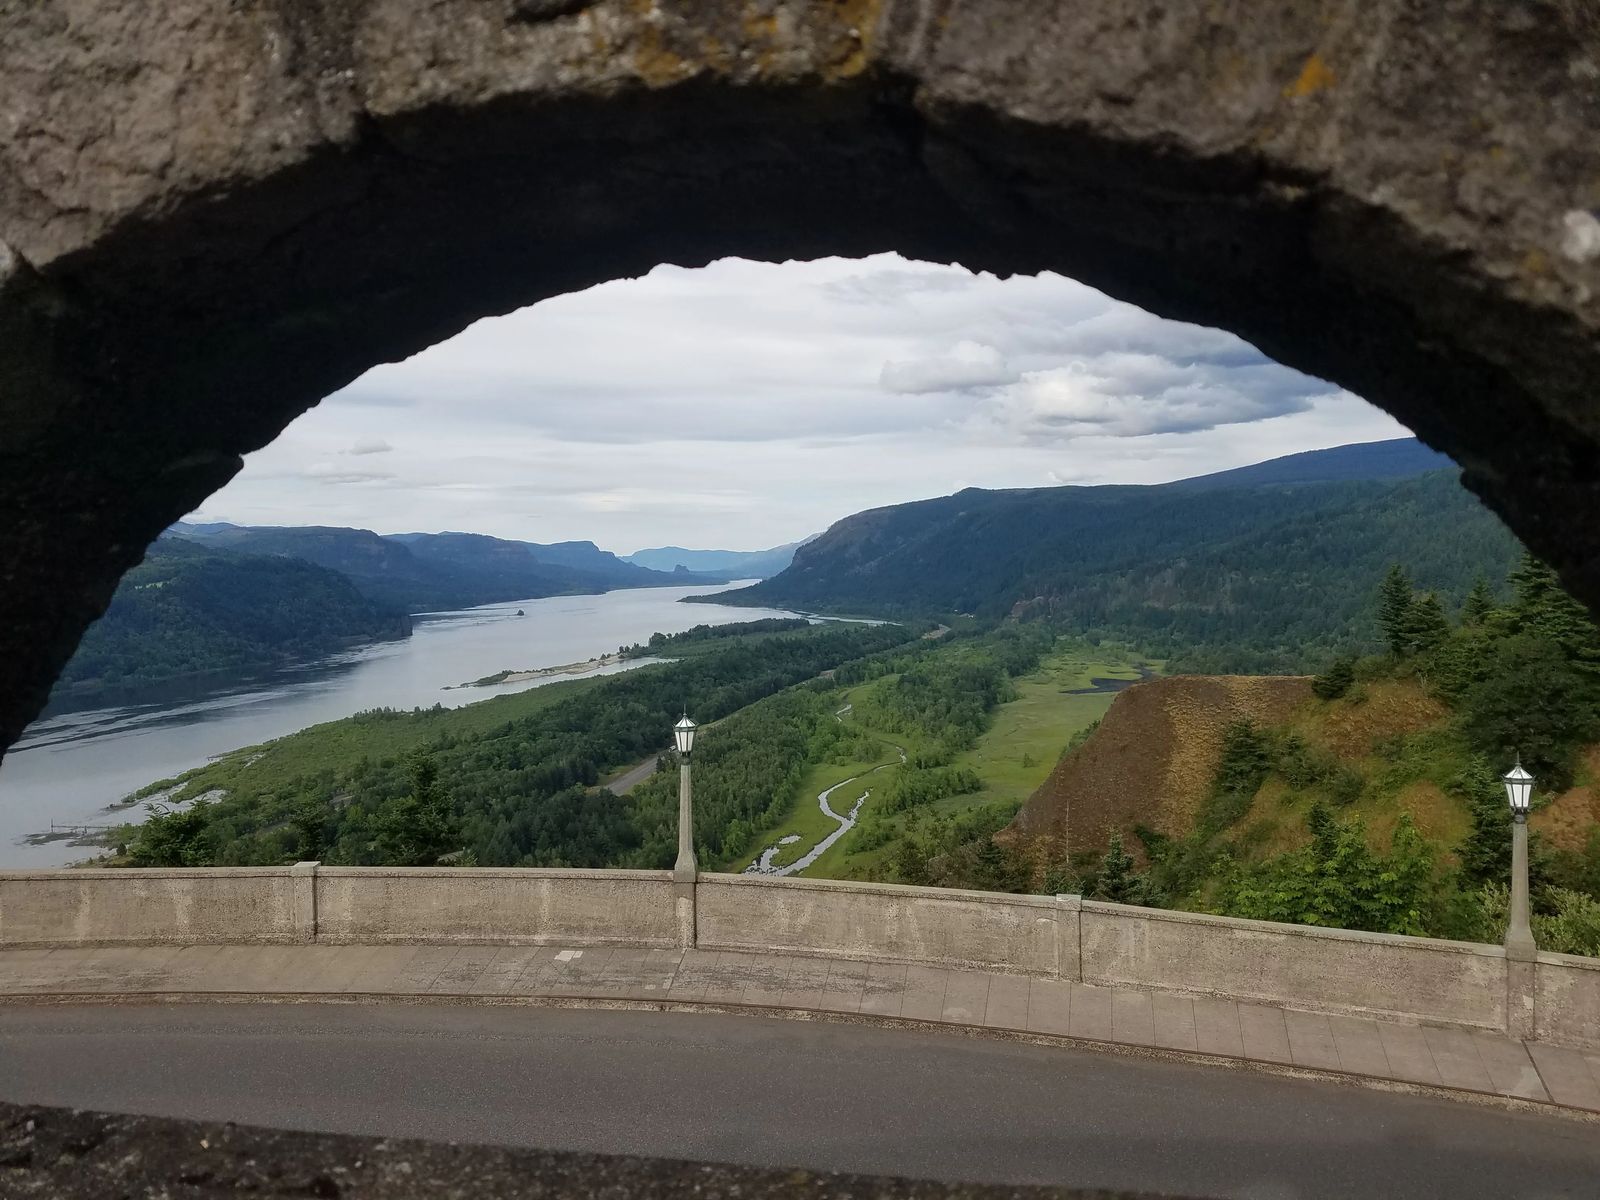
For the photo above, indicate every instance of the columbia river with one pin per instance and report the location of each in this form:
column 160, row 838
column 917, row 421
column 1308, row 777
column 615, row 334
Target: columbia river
column 68, row 769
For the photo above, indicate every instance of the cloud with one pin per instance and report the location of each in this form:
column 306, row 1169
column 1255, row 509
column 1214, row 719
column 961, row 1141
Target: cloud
column 968, row 367
column 1137, row 395
column 336, row 473
column 746, row 404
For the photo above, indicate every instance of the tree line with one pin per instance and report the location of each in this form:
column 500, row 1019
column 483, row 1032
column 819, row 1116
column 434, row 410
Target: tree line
column 522, row 793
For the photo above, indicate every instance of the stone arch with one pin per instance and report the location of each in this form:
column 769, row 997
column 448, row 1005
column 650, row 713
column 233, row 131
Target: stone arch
column 213, row 214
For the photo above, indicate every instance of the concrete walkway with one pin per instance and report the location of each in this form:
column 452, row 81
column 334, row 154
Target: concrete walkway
column 1469, row 1061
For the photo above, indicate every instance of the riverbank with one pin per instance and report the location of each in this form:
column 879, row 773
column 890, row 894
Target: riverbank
column 77, row 769
column 536, row 673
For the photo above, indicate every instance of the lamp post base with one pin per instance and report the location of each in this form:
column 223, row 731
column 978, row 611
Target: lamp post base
column 684, row 910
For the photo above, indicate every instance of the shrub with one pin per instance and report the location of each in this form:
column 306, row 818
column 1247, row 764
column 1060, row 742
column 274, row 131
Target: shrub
column 1336, row 680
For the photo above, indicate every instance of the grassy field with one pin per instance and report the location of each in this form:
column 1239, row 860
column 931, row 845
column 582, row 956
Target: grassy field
column 808, row 821
column 378, row 736
column 1030, row 734
column 1013, row 757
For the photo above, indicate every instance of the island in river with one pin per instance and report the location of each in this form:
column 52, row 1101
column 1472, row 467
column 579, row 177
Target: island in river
column 536, row 673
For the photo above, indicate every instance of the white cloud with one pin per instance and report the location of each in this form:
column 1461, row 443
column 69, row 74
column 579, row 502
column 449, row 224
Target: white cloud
column 747, row 404
column 1135, row 395
column 968, row 367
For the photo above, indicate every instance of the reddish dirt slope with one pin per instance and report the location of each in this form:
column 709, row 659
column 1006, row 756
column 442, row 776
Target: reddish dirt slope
column 1150, row 763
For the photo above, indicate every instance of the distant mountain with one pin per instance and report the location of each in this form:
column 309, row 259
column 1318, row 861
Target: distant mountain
column 190, row 612
column 1272, row 571
column 1399, row 458
column 586, row 556
column 728, row 564
column 426, row 572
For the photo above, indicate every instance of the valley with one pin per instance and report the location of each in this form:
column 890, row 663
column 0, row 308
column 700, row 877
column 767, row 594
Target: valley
column 76, row 767
column 1223, row 695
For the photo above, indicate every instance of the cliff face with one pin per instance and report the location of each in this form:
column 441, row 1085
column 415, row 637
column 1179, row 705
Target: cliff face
column 1151, row 762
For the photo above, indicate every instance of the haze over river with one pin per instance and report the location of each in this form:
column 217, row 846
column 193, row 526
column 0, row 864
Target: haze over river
column 67, row 769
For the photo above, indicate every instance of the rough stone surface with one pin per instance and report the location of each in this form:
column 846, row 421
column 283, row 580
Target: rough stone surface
column 212, row 214
column 64, row 1155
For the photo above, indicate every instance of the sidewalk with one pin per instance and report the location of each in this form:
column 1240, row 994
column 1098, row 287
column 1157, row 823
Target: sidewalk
column 1471, row 1061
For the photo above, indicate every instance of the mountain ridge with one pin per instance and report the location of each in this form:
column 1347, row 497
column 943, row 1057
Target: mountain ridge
column 190, row 612
column 731, row 564
column 429, row 572
column 1279, row 546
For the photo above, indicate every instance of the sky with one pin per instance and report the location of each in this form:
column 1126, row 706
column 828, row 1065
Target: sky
column 743, row 405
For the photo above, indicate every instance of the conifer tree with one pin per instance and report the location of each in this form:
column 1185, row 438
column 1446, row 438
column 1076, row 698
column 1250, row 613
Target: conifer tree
column 1336, row 680
column 1425, row 626
column 417, row 829
column 1544, row 609
column 1479, row 604
column 1394, row 606
column 1117, row 881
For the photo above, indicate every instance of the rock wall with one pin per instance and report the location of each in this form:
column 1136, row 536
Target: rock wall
column 212, row 214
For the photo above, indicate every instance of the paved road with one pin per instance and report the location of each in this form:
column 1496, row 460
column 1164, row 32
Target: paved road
column 771, row 1092
column 624, row 783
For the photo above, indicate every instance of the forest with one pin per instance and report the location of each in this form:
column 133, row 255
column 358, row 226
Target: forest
column 1518, row 679
column 1238, row 579
column 524, row 791
column 188, row 611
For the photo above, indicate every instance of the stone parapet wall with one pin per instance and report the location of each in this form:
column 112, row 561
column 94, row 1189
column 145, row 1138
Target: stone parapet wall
column 1336, row 970
column 1054, row 937
column 99, row 907
column 1567, row 999
column 472, row 904
column 335, row 904
column 882, row 921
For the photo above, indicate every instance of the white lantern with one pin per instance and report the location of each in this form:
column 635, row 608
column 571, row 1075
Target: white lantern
column 1519, row 789
column 683, row 734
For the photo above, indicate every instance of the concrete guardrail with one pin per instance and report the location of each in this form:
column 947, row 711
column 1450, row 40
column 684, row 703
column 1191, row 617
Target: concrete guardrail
column 1057, row 937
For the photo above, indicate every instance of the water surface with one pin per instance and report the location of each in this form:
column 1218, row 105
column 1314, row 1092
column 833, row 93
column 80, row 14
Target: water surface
column 68, row 769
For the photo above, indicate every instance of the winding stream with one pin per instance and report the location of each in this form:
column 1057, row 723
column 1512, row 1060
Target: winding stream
column 846, row 822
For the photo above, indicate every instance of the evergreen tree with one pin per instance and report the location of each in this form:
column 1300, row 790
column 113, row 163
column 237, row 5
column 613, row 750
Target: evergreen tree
column 1394, row 606
column 415, row 830
column 1425, row 626
column 1336, row 680
column 1485, row 853
column 1117, row 881
column 310, row 820
column 997, row 869
column 1543, row 608
column 1479, row 604
column 1534, row 701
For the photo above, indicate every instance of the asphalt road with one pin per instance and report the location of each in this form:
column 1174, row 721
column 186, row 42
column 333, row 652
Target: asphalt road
column 782, row 1093
column 624, row 783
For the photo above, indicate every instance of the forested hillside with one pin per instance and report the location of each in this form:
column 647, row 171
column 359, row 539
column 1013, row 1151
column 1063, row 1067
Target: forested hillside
column 428, row 572
column 1270, row 577
column 187, row 611
column 508, row 782
column 1368, row 799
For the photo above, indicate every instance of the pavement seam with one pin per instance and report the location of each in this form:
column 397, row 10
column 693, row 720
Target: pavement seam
column 781, row 1012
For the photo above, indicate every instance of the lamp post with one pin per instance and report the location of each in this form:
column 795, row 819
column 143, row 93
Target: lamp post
column 1519, row 795
column 685, row 870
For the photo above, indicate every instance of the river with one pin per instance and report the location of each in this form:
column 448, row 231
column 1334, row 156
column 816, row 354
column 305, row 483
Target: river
column 68, row 769
column 845, row 821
